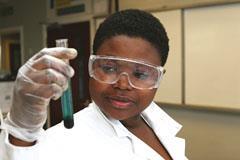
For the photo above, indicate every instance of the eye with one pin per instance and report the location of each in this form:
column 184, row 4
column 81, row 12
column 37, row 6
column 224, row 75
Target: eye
column 142, row 75
column 108, row 68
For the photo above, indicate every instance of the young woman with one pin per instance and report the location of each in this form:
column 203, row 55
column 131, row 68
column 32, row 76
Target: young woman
column 129, row 51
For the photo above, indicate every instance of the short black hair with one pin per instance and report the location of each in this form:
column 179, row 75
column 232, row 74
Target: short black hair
column 134, row 23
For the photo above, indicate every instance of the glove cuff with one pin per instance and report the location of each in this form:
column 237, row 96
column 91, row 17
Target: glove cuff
column 21, row 133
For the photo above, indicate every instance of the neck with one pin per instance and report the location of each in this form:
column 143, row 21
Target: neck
column 133, row 122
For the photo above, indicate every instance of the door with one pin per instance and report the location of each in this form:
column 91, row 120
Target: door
column 78, row 35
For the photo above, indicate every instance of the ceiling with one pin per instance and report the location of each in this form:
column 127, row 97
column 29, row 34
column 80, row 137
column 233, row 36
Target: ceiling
column 4, row 2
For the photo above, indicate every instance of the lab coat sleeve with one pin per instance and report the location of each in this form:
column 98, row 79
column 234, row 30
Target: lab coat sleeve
column 12, row 152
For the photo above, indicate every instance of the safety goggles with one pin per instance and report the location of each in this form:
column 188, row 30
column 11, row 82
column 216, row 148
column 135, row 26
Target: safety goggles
column 109, row 69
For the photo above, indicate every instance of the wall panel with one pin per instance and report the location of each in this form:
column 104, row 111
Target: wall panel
column 212, row 51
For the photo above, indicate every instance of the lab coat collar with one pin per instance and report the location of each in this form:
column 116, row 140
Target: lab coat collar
column 175, row 146
column 116, row 125
column 163, row 125
column 158, row 120
column 166, row 129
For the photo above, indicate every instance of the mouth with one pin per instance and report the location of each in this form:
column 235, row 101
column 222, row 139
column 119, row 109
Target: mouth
column 121, row 102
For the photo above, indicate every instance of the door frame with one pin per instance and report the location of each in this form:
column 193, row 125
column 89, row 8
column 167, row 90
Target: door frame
column 68, row 20
column 16, row 29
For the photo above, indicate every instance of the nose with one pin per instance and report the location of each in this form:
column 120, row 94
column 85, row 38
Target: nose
column 123, row 82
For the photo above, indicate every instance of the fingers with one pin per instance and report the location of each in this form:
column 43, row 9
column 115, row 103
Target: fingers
column 48, row 76
column 41, row 92
column 56, row 58
column 51, row 91
column 50, row 62
column 58, row 52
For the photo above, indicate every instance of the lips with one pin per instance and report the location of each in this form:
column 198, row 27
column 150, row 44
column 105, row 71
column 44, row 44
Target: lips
column 121, row 102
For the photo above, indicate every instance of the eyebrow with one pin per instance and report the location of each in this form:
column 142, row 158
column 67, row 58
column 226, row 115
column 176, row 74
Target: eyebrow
column 127, row 58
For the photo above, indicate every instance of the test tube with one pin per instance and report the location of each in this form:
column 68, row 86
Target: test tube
column 66, row 98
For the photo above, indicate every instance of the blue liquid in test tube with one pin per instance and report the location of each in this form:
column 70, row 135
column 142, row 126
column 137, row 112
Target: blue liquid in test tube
column 66, row 99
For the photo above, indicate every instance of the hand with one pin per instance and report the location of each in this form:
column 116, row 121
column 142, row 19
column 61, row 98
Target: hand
column 41, row 78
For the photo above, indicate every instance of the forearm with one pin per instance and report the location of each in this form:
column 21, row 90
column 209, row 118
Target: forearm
column 17, row 142
column 16, row 150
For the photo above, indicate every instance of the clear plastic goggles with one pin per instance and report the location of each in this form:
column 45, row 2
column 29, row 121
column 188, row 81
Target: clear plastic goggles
column 108, row 69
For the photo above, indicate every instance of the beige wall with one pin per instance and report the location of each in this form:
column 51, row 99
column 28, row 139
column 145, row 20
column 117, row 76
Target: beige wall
column 210, row 134
column 153, row 5
column 212, row 68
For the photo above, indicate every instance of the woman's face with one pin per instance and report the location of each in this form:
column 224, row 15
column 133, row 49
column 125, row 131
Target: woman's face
column 120, row 100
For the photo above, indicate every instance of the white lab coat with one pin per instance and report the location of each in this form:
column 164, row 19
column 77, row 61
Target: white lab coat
column 95, row 137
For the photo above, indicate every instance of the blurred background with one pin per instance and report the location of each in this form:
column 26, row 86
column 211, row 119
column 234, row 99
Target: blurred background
column 201, row 88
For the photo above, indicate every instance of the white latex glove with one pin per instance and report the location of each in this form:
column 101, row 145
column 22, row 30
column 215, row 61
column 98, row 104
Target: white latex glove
column 41, row 78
